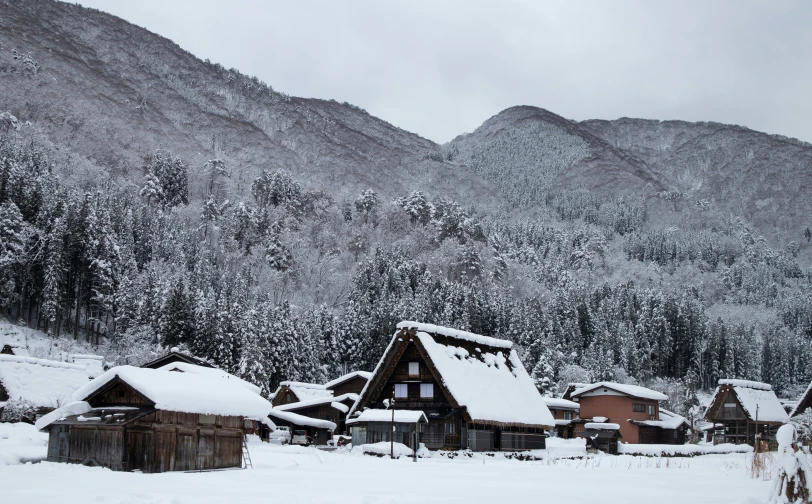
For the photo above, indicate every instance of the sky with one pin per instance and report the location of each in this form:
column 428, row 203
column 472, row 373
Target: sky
column 441, row 68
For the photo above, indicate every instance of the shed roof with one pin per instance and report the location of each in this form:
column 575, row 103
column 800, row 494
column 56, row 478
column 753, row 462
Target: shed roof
column 318, row 401
column 756, row 399
column 668, row 420
column 184, row 392
column 382, row 415
column 558, row 403
column 305, row 391
column 185, row 367
column 44, row 383
column 305, row 421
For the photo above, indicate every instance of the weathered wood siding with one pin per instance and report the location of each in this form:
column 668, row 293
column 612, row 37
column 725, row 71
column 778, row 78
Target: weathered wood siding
column 120, row 394
column 159, row 442
column 352, row 386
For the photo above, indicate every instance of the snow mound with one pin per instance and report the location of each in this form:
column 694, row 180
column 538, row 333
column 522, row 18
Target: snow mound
column 44, row 383
column 21, row 443
column 384, row 448
column 687, row 450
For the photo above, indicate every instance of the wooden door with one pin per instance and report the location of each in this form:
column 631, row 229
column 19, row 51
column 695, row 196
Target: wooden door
column 62, row 445
column 165, row 450
column 228, row 449
column 205, row 449
column 140, row 450
column 186, row 451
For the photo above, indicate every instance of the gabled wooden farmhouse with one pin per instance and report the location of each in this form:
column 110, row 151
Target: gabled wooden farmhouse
column 804, row 403
column 634, row 408
column 473, row 389
column 45, row 384
column 740, row 409
column 154, row 420
column 175, row 355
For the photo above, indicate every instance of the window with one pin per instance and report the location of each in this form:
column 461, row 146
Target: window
column 568, row 415
column 730, row 405
column 639, row 408
column 401, row 391
column 207, row 419
column 651, row 410
column 414, row 368
column 450, row 428
column 426, row 391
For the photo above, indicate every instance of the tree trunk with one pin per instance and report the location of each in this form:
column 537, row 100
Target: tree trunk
column 78, row 299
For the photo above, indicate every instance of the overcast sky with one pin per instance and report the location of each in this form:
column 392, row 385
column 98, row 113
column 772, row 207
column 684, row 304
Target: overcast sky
column 441, row 68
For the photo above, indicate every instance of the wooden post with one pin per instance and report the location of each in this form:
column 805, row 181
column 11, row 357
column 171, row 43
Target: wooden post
column 392, row 434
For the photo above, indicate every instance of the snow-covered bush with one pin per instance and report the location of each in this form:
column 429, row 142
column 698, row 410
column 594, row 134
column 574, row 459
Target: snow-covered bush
column 18, row 410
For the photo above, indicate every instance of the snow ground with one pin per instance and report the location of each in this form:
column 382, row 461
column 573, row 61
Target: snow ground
column 293, row 474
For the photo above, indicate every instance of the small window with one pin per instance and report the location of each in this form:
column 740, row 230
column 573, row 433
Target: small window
column 207, row 419
column 426, row 390
column 401, row 390
column 568, row 415
column 651, row 409
column 730, row 405
column 450, row 428
column 414, row 369
column 639, row 408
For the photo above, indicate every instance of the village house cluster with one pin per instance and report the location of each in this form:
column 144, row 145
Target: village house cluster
column 434, row 386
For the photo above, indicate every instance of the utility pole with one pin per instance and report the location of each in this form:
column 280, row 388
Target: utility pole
column 756, row 443
column 392, row 435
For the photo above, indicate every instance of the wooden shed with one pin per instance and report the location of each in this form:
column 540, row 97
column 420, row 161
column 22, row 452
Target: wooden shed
column 318, row 430
column 473, row 389
column 154, row 420
column 350, row 383
column 332, row 409
column 377, row 425
column 291, row 391
column 602, row 436
column 744, row 411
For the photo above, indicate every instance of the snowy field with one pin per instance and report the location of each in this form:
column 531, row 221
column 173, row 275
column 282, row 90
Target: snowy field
column 306, row 475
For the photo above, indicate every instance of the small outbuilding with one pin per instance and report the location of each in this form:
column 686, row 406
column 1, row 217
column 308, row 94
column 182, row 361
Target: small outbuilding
column 293, row 391
column 564, row 412
column 350, row 383
column 744, row 411
column 377, row 425
column 332, row 409
column 602, row 436
column 154, row 420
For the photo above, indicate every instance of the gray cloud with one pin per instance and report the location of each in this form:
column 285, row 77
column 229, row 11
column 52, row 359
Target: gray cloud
column 441, row 68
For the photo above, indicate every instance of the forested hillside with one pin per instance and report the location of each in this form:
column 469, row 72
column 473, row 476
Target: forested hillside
column 149, row 199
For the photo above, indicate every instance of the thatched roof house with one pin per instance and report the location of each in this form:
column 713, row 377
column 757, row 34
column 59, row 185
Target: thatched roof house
column 473, row 389
column 741, row 409
column 804, row 403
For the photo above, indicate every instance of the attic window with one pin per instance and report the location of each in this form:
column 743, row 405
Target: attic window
column 401, row 390
column 121, row 393
column 414, row 369
column 730, row 405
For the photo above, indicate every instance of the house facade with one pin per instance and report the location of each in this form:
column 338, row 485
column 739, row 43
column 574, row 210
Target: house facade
column 745, row 411
column 635, row 409
column 472, row 389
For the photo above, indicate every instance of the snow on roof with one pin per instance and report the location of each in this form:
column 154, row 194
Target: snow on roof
column 803, row 402
column 302, row 420
column 382, row 415
column 746, row 383
column 601, row 426
column 629, row 390
column 93, row 364
column 185, row 367
column 185, row 392
column 317, row 401
column 558, row 403
column 340, row 407
column 44, row 383
column 70, row 409
column 491, row 386
column 757, row 399
column 668, row 420
column 305, row 391
column 341, row 379
column 454, row 333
